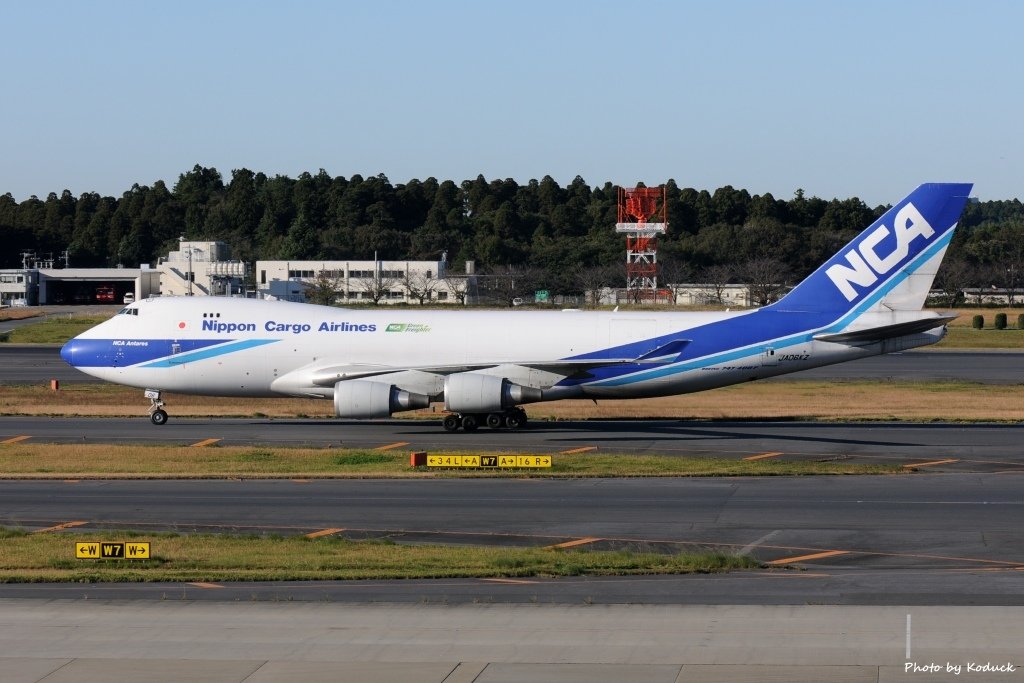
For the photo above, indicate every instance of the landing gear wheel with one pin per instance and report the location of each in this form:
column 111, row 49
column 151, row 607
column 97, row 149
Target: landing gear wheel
column 515, row 419
column 470, row 422
column 495, row 420
column 157, row 414
column 451, row 423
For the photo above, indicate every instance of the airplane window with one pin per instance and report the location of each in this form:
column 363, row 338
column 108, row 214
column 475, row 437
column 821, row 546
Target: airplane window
column 123, row 311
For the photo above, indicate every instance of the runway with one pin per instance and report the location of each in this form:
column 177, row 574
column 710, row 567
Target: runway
column 25, row 364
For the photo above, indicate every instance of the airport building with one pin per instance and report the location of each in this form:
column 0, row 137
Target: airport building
column 201, row 269
column 19, row 287
column 380, row 282
column 34, row 286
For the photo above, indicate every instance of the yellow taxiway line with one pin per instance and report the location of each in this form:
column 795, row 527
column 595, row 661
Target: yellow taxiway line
column 762, row 456
column 807, row 558
column 204, row 443
column 16, row 439
column 323, row 532
column 932, row 463
column 573, row 544
column 65, row 525
column 397, row 444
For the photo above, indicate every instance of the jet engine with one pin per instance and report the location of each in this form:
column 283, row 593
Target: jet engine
column 363, row 398
column 473, row 393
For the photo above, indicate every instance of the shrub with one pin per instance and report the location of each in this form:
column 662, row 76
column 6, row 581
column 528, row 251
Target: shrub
column 978, row 322
column 1000, row 321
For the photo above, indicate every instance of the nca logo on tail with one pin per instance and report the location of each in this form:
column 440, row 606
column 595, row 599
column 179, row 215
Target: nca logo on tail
column 866, row 265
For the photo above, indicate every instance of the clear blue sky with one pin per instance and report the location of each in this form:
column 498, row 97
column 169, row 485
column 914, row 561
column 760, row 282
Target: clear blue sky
column 865, row 98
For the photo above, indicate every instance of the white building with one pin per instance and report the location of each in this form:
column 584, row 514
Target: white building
column 382, row 282
column 706, row 294
column 677, row 294
column 19, row 286
column 199, row 269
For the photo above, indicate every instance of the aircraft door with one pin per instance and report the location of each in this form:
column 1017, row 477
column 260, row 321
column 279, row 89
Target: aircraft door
column 769, row 358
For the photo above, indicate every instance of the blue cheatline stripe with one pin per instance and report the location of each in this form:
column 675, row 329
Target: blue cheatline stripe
column 792, row 340
column 182, row 358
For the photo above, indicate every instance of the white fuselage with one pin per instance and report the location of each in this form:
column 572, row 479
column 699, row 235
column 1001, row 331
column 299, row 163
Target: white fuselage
column 238, row 347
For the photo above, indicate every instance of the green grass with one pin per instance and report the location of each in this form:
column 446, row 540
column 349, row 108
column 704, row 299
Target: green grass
column 26, row 460
column 203, row 557
column 54, row 330
column 989, row 338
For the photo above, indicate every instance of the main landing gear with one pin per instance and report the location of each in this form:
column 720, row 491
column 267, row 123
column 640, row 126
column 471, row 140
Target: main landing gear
column 157, row 414
column 513, row 418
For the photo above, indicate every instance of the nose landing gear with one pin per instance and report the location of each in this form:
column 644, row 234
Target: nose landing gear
column 157, row 414
column 513, row 418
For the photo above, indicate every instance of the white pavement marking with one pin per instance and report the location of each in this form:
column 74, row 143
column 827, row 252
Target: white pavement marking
column 745, row 550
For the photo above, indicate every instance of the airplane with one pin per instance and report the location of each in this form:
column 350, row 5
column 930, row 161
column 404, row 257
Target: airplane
column 484, row 365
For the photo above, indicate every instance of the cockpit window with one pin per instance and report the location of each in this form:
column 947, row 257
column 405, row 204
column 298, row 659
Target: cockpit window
column 128, row 311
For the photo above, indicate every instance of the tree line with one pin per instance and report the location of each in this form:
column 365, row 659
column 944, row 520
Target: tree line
column 562, row 237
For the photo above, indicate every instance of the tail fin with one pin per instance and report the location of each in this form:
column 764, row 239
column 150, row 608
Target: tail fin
column 891, row 265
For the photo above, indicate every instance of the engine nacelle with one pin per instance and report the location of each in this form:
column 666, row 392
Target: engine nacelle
column 467, row 392
column 363, row 398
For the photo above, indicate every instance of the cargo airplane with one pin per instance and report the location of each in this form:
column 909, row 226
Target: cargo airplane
column 484, row 365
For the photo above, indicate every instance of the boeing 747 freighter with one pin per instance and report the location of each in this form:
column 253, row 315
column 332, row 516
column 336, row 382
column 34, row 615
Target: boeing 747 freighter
column 484, row 365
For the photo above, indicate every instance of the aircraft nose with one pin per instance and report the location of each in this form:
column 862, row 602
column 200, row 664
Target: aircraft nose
column 67, row 352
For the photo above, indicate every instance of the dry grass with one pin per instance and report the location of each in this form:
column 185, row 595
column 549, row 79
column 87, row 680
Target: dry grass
column 965, row 315
column 759, row 400
column 18, row 313
column 805, row 400
column 51, row 557
column 75, row 461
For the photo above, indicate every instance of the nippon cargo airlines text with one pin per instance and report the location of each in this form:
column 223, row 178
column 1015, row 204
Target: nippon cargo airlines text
column 293, row 328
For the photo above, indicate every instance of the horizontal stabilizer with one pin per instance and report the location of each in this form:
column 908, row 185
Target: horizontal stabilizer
column 872, row 334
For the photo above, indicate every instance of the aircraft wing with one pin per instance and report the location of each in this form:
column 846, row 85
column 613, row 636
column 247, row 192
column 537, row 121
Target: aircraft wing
column 873, row 334
column 328, row 376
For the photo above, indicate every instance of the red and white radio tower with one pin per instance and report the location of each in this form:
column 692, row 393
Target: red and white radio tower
column 642, row 216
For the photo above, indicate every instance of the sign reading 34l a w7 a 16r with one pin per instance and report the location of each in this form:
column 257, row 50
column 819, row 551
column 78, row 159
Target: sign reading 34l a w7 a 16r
column 121, row 550
column 489, row 461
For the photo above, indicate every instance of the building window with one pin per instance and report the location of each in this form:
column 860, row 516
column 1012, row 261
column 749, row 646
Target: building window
column 263, row 277
column 442, row 296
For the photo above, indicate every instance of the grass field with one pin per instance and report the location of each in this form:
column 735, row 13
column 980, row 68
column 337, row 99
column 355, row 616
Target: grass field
column 51, row 557
column 75, row 461
column 962, row 336
column 801, row 400
column 54, row 330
